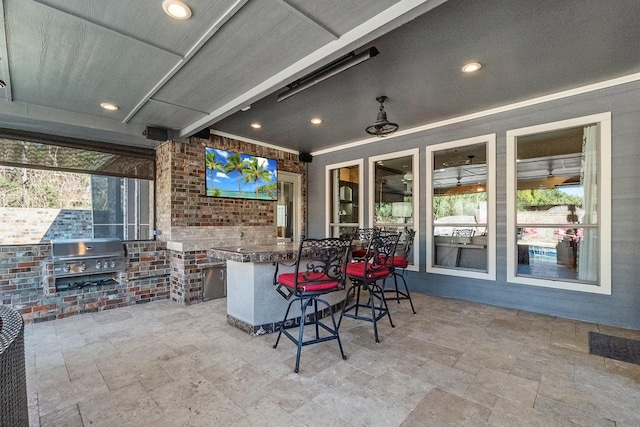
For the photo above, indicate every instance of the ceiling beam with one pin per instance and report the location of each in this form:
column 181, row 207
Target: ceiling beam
column 190, row 53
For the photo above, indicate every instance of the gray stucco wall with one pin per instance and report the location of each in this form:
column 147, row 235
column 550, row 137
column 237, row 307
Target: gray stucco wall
column 622, row 307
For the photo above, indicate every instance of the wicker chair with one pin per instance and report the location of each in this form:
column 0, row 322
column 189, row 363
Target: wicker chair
column 14, row 410
column 319, row 269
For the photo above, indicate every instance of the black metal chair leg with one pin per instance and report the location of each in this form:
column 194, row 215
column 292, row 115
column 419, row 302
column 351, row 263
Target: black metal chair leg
column 345, row 306
column 408, row 294
column 395, row 281
column 373, row 315
column 315, row 317
column 300, row 334
column 335, row 330
column 286, row 314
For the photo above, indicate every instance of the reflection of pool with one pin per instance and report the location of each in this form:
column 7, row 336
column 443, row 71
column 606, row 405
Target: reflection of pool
column 542, row 253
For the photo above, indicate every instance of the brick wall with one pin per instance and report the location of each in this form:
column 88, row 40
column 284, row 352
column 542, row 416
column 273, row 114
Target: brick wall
column 24, row 226
column 27, row 285
column 181, row 198
column 187, row 216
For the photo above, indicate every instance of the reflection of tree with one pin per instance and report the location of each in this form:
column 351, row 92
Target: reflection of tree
column 235, row 164
column 457, row 204
column 255, row 172
column 545, row 198
column 213, row 164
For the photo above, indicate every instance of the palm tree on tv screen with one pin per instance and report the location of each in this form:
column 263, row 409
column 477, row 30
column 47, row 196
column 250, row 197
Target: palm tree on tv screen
column 255, row 172
column 236, row 164
column 213, row 164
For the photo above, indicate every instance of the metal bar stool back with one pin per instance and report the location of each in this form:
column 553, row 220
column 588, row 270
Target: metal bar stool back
column 320, row 268
column 363, row 236
column 401, row 262
column 365, row 275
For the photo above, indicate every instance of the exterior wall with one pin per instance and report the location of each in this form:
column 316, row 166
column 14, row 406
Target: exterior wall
column 26, row 283
column 622, row 307
column 188, row 214
column 19, row 226
column 190, row 222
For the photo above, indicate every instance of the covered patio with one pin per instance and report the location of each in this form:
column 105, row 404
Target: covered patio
column 454, row 363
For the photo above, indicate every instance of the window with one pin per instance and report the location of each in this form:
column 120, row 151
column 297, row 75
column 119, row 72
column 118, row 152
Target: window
column 344, row 198
column 393, row 194
column 69, row 189
column 288, row 209
column 558, row 201
column 461, row 208
column 122, row 207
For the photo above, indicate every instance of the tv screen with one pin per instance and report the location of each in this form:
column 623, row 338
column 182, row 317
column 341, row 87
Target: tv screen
column 240, row 176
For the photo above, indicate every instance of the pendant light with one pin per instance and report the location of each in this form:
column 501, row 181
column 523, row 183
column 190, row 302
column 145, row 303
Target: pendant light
column 382, row 126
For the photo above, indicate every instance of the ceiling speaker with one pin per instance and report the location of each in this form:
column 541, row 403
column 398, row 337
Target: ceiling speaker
column 156, row 134
column 305, row 157
column 203, row 134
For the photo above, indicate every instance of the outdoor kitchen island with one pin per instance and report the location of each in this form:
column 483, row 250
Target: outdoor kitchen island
column 253, row 304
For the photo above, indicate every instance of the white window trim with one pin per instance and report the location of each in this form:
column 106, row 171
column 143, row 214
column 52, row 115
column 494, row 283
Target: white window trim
column 296, row 179
column 415, row 166
column 603, row 120
column 327, row 198
column 490, row 274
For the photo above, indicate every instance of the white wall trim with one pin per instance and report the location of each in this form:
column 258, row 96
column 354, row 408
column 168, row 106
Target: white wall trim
column 253, row 141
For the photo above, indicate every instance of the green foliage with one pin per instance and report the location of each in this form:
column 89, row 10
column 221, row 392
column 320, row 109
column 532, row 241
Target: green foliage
column 545, row 198
column 33, row 188
column 457, row 204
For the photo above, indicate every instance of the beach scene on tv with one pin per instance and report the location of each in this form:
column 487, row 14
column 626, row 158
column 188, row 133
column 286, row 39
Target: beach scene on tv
column 240, row 176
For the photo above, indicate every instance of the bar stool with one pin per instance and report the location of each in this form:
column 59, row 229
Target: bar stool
column 401, row 261
column 365, row 274
column 319, row 269
column 364, row 236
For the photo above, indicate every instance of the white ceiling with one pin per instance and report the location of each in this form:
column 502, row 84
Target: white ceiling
column 61, row 58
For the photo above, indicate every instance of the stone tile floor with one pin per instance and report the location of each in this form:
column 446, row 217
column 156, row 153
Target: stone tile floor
column 455, row 363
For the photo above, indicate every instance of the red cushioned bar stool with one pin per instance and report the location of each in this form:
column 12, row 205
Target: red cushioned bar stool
column 401, row 262
column 365, row 275
column 319, row 269
column 363, row 236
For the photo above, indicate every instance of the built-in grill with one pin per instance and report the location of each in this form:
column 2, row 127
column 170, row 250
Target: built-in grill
column 86, row 262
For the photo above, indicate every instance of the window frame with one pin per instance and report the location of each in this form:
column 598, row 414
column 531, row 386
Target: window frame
column 329, row 201
column 490, row 141
column 603, row 122
column 415, row 166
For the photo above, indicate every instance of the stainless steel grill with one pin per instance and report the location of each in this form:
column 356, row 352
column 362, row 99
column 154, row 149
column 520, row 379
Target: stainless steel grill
column 83, row 262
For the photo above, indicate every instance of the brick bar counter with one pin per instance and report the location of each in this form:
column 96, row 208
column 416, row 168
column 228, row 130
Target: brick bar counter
column 253, row 304
column 14, row 410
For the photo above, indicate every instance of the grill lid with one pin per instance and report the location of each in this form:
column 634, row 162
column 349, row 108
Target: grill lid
column 86, row 248
column 79, row 257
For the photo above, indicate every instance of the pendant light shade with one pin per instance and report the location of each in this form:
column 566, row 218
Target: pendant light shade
column 382, row 126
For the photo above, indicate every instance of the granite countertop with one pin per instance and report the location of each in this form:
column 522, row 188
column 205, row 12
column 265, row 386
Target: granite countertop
column 257, row 253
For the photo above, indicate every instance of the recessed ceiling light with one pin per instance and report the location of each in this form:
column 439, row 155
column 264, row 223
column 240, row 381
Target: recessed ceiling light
column 176, row 9
column 316, row 120
column 247, row 108
column 471, row 67
column 256, row 125
column 109, row 106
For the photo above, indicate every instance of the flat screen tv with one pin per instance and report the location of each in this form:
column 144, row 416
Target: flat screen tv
column 240, row 176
